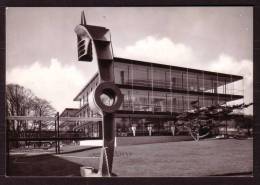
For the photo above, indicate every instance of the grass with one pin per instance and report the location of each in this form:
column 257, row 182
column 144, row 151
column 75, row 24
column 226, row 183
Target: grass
column 185, row 158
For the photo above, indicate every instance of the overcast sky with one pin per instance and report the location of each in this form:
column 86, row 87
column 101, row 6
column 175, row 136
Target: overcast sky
column 42, row 55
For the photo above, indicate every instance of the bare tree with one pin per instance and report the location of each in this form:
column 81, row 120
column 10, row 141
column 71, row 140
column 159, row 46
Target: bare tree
column 42, row 107
column 19, row 103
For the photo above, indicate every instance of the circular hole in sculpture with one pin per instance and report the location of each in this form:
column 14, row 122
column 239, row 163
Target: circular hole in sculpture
column 108, row 98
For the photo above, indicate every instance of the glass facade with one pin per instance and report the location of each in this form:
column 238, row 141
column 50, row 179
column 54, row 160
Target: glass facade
column 92, row 129
column 167, row 77
column 123, row 73
column 169, row 89
column 156, row 101
column 155, row 89
column 176, row 80
column 141, row 126
column 83, row 96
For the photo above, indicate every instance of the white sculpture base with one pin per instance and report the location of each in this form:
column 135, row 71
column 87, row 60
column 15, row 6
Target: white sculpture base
column 86, row 171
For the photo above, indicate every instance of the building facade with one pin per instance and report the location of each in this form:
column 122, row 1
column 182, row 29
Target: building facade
column 154, row 94
column 68, row 125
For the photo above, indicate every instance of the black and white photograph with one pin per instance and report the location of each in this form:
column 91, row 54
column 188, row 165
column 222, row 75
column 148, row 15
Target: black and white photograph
column 129, row 91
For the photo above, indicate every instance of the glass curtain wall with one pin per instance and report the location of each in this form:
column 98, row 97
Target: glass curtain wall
column 154, row 77
column 161, row 77
column 123, row 73
column 141, row 75
column 127, row 127
column 176, row 79
column 168, row 78
column 156, row 101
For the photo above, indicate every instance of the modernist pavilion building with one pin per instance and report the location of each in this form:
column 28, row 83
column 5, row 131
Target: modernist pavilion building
column 154, row 94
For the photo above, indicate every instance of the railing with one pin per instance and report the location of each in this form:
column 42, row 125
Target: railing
column 200, row 87
column 37, row 118
column 47, row 135
column 51, row 134
column 152, row 107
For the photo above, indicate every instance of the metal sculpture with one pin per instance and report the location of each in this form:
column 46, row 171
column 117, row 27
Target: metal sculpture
column 94, row 44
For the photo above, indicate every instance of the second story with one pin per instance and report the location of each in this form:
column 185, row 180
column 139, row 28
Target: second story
column 156, row 85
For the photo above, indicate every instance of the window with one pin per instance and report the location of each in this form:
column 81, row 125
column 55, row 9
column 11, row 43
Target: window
column 127, row 102
column 159, row 102
column 140, row 100
column 160, row 77
column 122, row 73
column 122, row 77
column 141, row 75
column 176, row 79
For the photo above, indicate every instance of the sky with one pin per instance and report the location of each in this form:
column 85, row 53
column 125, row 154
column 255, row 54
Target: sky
column 42, row 54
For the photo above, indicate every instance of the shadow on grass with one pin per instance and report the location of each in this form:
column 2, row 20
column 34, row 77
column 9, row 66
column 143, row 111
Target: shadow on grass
column 236, row 174
column 42, row 165
column 81, row 150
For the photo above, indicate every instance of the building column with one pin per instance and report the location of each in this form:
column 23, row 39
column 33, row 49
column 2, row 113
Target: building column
column 133, row 128
column 150, row 128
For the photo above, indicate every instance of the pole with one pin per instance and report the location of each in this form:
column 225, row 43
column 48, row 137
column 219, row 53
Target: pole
column 55, row 131
column 58, row 131
column 107, row 153
column 7, row 145
column 225, row 91
column 226, row 130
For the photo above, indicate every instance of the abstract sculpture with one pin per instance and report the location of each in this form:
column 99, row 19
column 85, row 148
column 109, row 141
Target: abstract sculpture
column 94, row 44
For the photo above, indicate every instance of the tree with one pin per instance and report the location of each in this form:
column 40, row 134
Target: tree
column 20, row 101
column 196, row 117
column 245, row 122
column 42, row 107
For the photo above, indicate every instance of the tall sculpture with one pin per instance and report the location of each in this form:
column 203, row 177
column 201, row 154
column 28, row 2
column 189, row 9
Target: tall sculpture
column 94, row 44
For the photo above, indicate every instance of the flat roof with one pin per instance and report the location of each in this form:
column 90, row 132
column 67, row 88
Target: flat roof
column 124, row 60
column 91, row 80
column 69, row 110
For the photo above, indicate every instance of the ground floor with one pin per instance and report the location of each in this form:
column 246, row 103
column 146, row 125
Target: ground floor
column 137, row 126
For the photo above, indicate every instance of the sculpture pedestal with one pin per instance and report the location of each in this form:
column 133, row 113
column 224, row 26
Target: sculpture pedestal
column 86, row 171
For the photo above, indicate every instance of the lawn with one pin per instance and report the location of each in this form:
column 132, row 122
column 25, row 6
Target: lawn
column 184, row 158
